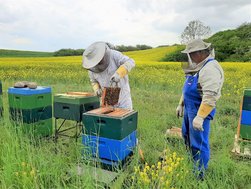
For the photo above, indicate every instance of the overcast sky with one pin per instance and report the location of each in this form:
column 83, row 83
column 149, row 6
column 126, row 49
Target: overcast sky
column 49, row 25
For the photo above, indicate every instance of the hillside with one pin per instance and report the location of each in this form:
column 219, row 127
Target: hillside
column 149, row 55
column 17, row 53
column 230, row 46
column 233, row 45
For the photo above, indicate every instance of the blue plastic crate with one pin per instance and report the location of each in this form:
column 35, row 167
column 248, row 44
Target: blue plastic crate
column 110, row 149
column 28, row 91
column 246, row 117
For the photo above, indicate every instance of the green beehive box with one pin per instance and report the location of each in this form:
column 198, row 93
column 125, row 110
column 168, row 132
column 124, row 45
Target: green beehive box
column 70, row 98
column 247, row 92
column 39, row 129
column 245, row 131
column 110, row 124
column 246, row 103
column 30, row 115
column 71, row 106
column 1, row 88
column 1, row 106
column 29, row 101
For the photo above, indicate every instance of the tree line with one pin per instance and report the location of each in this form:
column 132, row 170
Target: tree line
column 121, row 48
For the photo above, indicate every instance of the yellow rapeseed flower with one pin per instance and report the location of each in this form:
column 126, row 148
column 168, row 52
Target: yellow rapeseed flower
column 32, row 172
column 23, row 164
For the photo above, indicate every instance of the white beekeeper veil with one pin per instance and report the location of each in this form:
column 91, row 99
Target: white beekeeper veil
column 194, row 46
column 96, row 57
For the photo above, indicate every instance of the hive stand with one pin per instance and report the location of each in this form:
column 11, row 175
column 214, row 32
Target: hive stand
column 71, row 106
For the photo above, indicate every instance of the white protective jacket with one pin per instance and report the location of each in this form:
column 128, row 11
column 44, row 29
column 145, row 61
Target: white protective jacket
column 103, row 78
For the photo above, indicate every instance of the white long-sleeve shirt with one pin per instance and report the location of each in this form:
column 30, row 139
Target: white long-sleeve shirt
column 103, row 78
column 211, row 78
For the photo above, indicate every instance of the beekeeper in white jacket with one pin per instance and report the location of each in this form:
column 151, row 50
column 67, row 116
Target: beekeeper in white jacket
column 106, row 66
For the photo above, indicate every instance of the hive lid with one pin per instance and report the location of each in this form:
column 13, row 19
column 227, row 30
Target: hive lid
column 76, row 94
column 76, row 98
column 111, row 112
column 247, row 92
column 28, row 91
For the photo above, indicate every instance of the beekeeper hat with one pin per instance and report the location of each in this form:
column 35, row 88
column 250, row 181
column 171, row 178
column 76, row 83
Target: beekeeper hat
column 196, row 45
column 93, row 54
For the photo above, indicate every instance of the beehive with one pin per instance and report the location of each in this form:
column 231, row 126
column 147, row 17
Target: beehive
column 31, row 109
column 72, row 105
column 1, row 88
column 111, row 123
column 245, row 129
column 109, row 149
column 1, row 100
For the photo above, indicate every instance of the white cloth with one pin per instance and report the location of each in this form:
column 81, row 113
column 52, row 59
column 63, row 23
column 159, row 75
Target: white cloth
column 103, row 78
column 211, row 78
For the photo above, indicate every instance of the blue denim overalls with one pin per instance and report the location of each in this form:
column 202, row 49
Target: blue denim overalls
column 197, row 141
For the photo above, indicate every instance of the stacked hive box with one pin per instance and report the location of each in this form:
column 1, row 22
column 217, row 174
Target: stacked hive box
column 110, row 134
column 1, row 100
column 72, row 105
column 31, row 109
column 245, row 129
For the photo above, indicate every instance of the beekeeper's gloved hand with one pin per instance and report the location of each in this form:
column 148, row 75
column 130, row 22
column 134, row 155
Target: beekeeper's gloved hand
column 97, row 89
column 198, row 123
column 98, row 92
column 120, row 73
column 179, row 111
column 115, row 78
column 180, row 107
column 203, row 112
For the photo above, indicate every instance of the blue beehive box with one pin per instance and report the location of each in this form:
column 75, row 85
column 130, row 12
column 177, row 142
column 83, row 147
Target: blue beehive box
column 246, row 117
column 109, row 149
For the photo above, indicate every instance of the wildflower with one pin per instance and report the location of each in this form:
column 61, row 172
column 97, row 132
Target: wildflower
column 32, row 172
column 23, row 164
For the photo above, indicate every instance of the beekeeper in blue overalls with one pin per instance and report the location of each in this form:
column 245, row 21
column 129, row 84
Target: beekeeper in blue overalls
column 105, row 66
column 202, row 88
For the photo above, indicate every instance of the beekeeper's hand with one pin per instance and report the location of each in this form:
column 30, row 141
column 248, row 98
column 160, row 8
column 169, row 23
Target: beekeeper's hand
column 98, row 92
column 115, row 78
column 203, row 112
column 179, row 111
column 198, row 123
column 180, row 107
column 97, row 89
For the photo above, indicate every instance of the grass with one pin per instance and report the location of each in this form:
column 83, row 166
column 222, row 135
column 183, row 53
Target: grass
column 155, row 88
